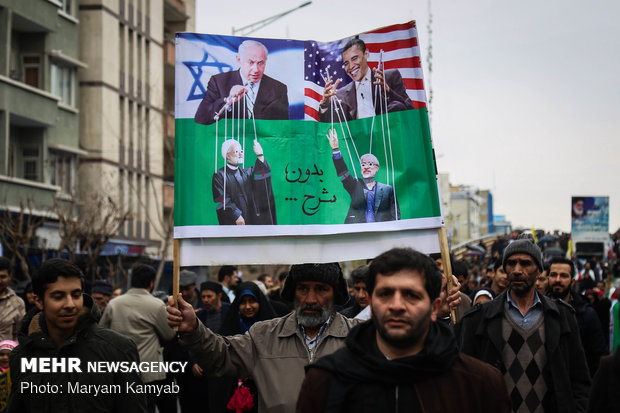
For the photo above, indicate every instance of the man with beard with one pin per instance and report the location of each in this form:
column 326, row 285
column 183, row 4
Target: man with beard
column 243, row 196
column 274, row 352
column 402, row 360
column 561, row 282
column 371, row 201
column 533, row 340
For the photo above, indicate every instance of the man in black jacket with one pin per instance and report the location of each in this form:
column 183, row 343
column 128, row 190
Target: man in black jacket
column 66, row 328
column 533, row 340
column 561, row 283
column 248, row 92
column 402, row 360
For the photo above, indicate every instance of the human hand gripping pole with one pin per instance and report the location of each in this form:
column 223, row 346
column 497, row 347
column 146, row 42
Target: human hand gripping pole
column 183, row 319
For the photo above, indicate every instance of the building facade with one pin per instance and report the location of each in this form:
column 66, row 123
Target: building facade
column 39, row 107
column 127, row 97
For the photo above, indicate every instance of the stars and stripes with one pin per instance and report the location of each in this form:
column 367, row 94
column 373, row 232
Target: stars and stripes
column 401, row 51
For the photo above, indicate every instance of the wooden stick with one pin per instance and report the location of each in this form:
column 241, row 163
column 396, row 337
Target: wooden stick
column 447, row 265
column 176, row 265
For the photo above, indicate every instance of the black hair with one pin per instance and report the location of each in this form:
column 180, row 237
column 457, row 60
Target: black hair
column 355, row 42
column 226, row 270
column 142, row 276
column 283, row 276
column 262, row 277
column 5, row 264
column 562, row 260
column 498, row 263
column 398, row 259
column 50, row 271
column 460, row 268
column 360, row 274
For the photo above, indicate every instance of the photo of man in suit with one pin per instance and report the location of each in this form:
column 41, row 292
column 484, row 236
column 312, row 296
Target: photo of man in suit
column 243, row 196
column 248, row 92
column 358, row 97
column 371, row 201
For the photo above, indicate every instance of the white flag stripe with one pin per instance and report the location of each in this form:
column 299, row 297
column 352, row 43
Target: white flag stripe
column 395, row 54
column 387, row 37
column 411, row 73
column 312, row 103
column 419, row 95
column 310, row 85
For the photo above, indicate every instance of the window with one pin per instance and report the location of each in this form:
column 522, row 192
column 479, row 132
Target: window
column 62, row 170
column 30, row 163
column 32, row 66
column 67, row 6
column 63, row 83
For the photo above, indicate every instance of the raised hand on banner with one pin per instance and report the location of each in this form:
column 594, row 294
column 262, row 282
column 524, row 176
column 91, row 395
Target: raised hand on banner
column 258, row 150
column 236, row 92
column 378, row 74
column 333, row 139
column 183, row 317
column 329, row 91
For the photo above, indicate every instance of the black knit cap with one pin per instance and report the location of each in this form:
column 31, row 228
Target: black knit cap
column 328, row 273
column 524, row 244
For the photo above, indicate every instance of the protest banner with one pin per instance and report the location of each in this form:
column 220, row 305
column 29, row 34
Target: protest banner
column 255, row 146
column 590, row 225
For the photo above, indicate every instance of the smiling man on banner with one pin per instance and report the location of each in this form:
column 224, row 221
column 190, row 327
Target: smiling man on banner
column 265, row 97
column 358, row 98
column 371, row 201
column 243, row 196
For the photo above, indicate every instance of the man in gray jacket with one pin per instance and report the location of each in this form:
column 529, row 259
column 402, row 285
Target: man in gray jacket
column 274, row 352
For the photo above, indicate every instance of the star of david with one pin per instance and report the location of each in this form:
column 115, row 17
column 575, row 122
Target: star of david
column 197, row 91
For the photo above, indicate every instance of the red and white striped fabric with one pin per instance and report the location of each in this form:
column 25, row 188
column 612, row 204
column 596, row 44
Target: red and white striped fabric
column 401, row 51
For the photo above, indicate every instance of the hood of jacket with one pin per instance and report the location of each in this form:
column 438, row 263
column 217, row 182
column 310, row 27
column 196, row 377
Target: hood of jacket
column 362, row 360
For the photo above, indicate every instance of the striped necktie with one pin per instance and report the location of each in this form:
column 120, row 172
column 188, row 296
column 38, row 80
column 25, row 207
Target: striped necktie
column 250, row 98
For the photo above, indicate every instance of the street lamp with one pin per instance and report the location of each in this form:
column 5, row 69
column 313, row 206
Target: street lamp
column 251, row 28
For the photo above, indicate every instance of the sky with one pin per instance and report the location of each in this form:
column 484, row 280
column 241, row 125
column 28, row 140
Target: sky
column 526, row 95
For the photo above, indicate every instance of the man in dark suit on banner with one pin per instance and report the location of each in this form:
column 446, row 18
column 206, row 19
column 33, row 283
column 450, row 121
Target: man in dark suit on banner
column 371, row 201
column 247, row 92
column 358, row 98
column 243, row 196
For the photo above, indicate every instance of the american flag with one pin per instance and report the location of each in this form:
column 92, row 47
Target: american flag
column 401, row 51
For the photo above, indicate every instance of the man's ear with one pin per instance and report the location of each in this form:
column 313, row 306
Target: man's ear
column 38, row 302
column 435, row 306
column 238, row 60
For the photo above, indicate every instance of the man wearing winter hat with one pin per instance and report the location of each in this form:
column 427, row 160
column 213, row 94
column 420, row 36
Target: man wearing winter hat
column 533, row 340
column 274, row 352
column 102, row 292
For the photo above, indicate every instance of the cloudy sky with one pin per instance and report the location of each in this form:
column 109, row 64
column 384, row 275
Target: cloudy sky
column 526, row 95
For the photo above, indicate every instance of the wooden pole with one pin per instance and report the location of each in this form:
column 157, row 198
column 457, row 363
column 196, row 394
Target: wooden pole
column 176, row 265
column 447, row 265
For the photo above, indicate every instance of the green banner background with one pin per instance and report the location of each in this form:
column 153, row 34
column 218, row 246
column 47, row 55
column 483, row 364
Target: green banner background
column 302, row 145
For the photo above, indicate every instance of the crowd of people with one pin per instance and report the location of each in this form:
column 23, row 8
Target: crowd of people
column 520, row 331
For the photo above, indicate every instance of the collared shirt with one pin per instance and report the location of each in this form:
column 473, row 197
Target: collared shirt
column 363, row 90
column 527, row 320
column 311, row 342
column 246, row 83
column 229, row 293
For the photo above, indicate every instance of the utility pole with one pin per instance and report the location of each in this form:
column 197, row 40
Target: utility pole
column 251, row 28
